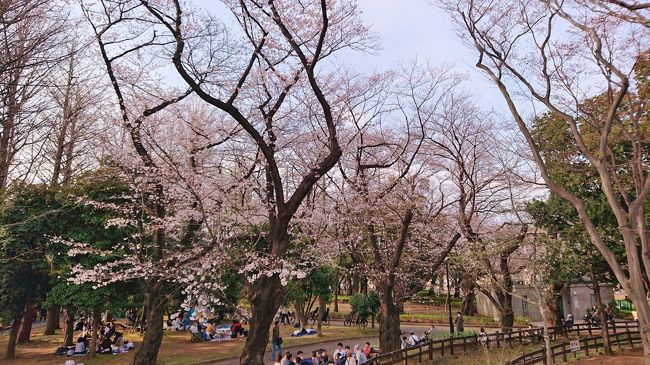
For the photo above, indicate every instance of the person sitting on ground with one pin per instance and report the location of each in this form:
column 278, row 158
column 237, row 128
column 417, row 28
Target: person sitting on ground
column 404, row 343
column 367, row 350
column 413, row 339
column 80, row 347
column 194, row 328
column 235, row 328
column 79, row 326
column 429, row 331
column 359, row 355
column 105, row 345
column 482, row 336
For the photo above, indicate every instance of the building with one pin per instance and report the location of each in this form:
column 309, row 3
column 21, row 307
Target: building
column 575, row 300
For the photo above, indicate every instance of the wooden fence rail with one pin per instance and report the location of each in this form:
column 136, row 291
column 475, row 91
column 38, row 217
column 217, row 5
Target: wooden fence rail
column 453, row 345
column 564, row 350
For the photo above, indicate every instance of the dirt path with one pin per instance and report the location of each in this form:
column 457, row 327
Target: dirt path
column 627, row 357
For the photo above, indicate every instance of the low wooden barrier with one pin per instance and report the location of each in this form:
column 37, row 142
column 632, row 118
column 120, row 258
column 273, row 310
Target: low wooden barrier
column 454, row 345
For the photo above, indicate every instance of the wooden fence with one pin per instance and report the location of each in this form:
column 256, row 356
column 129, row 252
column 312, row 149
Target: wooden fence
column 454, row 345
column 564, row 350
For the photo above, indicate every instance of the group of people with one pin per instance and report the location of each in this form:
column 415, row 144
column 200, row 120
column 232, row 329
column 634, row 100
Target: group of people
column 342, row 355
column 208, row 331
column 109, row 340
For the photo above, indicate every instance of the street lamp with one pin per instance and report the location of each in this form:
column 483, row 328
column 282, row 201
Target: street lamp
column 451, row 322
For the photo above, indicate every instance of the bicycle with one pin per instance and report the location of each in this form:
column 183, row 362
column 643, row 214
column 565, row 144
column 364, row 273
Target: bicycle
column 355, row 320
column 326, row 319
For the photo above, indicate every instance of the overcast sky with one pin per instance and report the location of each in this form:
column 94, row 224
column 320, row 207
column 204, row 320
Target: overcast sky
column 416, row 29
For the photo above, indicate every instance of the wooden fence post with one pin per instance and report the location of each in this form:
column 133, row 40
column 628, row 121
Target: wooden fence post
column 442, row 348
column 430, row 350
column 405, row 356
column 589, row 328
column 451, row 345
column 564, row 352
column 464, row 344
column 618, row 341
column 587, row 346
column 420, row 354
column 629, row 338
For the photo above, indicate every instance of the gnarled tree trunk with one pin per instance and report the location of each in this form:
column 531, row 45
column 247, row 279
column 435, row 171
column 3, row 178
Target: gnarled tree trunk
column 69, row 327
column 13, row 334
column 265, row 300
column 154, row 305
column 389, row 323
column 51, row 322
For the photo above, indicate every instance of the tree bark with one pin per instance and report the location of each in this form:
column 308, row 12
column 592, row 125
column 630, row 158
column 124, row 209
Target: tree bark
column 154, row 309
column 52, row 319
column 13, row 334
column 601, row 312
column 69, row 327
column 321, row 313
column 93, row 337
column 265, row 300
column 28, row 319
column 469, row 309
column 389, row 323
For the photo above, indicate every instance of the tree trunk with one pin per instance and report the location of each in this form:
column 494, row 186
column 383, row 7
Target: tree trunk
column 154, row 308
column 354, row 288
column 321, row 313
column 601, row 312
column 57, row 318
column 109, row 318
column 469, row 309
column 28, row 319
column 389, row 323
column 13, row 334
column 93, row 337
column 265, row 300
column 336, row 297
column 69, row 327
column 51, row 320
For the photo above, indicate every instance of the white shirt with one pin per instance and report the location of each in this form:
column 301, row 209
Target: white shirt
column 413, row 339
column 79, row 347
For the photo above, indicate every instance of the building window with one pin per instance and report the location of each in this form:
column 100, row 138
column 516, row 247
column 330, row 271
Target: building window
column 592, row 300
column 524, row 307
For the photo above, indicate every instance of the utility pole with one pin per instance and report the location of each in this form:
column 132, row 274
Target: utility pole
column 451, row 322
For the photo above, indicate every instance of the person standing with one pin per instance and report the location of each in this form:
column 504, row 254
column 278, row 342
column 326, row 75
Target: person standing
column 459, row 323
column 276, row 342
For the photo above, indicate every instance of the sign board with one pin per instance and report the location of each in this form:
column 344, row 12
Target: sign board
column 575, row 345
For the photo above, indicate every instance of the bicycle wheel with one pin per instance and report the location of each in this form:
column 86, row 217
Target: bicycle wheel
column 312, row 320
column 327, row 321
column 348, row 322
column 363, row 323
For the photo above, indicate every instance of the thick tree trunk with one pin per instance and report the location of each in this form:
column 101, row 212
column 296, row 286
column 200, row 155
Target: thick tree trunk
column 469, row 309
column 69, row 327
column 57, row 318
column 336, row 297
column 154, row 309
column 354, row 287
column 52, row 319
column 93, row 337
column 28, row 320
column 13, row 334
column 389, row 323
column 265, row 299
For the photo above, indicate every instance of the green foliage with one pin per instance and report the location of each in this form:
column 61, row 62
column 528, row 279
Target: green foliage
column 28, row 219
column 365, row 305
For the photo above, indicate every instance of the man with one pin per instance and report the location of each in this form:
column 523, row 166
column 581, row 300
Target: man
column 459, row 323
column 350, row 359
column 367, row 350
column 276, row 342
column 359, row 355
column 413, row 339
column 338, row 352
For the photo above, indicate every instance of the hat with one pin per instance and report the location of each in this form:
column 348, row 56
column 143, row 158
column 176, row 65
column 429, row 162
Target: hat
column 412, row 332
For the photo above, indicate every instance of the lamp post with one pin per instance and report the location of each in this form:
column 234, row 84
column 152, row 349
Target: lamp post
column 451, row 322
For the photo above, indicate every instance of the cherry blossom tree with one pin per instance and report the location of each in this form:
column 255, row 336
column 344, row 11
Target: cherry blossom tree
column 520, row 48
column 390, row 200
